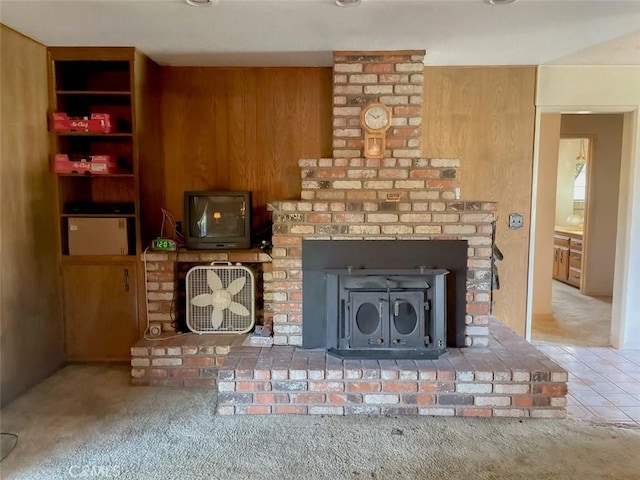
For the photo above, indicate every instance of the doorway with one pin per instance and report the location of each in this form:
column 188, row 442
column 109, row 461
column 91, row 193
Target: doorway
column 582, row 229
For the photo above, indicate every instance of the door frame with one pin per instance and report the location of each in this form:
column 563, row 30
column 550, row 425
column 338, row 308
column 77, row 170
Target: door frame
column 625, row 326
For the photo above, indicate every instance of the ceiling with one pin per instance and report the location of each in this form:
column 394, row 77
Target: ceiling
column 305, row 32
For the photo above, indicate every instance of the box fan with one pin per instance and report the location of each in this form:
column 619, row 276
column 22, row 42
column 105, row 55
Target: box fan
column 220, row 298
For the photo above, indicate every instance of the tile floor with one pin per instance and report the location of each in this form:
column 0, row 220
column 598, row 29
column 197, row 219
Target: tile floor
column 604, row 383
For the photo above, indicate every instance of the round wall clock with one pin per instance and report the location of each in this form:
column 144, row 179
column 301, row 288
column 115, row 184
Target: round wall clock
column 375, row 119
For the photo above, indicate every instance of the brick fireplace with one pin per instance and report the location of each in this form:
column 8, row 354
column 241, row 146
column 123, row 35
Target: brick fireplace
column 399, row 197
column 400, row 200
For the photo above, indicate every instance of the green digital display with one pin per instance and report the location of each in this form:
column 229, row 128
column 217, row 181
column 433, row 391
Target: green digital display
column 163, row 244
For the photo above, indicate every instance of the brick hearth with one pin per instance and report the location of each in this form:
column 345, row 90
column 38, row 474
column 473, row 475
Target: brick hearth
column 509, row 378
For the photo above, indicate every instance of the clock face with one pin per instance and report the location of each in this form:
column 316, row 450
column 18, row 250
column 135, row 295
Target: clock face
column 376, row 117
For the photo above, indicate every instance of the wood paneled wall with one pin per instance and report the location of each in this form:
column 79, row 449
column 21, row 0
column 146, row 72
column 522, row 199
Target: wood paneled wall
column 243, row 129
column 485, row 116
column 246, row 128
column 31, row 327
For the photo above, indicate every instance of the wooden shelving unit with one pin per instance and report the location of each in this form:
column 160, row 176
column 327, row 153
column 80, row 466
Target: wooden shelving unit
column 103, row 294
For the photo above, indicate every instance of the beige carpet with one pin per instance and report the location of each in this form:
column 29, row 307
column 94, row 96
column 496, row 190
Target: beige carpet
column 577, row 319
column 87, row 422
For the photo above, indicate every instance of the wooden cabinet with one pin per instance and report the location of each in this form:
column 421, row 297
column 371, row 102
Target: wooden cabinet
column 100, row 309
column 567, row 257
column 102, row 315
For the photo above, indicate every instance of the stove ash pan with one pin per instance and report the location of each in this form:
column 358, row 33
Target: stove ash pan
column 386, row 314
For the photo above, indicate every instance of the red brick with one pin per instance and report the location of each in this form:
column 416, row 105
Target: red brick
column 262, row 374
column 271, row 398
column 446, row 375
column 399, row 386
column 407, row 111
column 427, row 387
column 330, row 173
column 326, row 386
column 378, row 67
column 477, row 308
column 244, row 374
column 290, row 409
column 363, row 386
column 199, row 361
column 337, row 398
column 254, row 409
column 554, row 390
column 473, row 412
column 253, row 386
column 522, row 401
column 307, row 398
column 158, row 372
column 425, row 173
column 441, row 184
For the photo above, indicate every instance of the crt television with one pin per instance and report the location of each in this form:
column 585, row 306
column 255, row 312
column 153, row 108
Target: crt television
column 217, row 220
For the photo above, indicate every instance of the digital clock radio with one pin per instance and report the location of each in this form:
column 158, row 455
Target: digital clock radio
column 163, row 245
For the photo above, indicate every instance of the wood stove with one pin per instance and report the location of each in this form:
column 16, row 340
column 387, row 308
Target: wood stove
column 386, row 313
column 382, row 299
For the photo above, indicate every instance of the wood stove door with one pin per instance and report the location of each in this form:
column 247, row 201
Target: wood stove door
column 369, row 319
column 407, row 319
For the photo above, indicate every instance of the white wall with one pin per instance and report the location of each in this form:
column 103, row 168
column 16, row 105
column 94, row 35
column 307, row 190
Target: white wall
column 543, row 212
column 604, row 89
column 604, row 176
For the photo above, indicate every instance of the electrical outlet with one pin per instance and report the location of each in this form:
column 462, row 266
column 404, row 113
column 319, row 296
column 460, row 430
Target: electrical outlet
column 516, row 221
column 155, row 329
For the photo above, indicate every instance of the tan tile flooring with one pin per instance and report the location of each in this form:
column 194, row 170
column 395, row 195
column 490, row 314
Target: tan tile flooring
column 604, row 383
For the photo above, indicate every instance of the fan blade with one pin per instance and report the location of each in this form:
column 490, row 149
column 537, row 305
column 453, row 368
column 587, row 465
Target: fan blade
column 237, row 285
column 239, row 309
column 203, row 300
column 213, row 280
column 216, row 318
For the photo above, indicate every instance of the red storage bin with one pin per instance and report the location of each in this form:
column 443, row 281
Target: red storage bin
column 96, row 123
column 88, row 164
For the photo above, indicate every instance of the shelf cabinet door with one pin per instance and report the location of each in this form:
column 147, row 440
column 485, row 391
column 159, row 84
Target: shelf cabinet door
column 100, row 308
column 560, row 263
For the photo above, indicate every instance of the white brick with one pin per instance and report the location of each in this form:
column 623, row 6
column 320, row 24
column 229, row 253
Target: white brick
column 346, row 111
column 347, row 184
column 428, row 229
column 381, row 399
column 382, row 218
column 347, row 67
column 363, row 78
column 474, row 388
column 347, row 132
column 394, row 99
column 410, row 184
column 482, row 401
column 347, row 89
column 410, row 67
column 166, row 362
column 445, row 162
column 378, row 89
column 437, row 411
column 409, row 153
column 397, row 229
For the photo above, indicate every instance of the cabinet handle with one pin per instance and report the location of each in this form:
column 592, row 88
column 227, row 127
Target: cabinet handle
column 126, row 279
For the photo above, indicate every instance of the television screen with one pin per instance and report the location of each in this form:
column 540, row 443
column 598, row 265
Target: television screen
column 217, row 219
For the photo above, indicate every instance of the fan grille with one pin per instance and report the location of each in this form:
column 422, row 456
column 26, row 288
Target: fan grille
column 199, row 318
